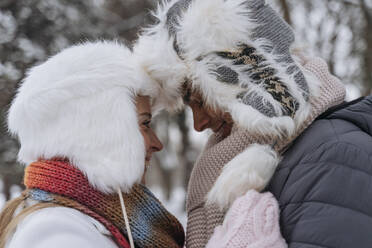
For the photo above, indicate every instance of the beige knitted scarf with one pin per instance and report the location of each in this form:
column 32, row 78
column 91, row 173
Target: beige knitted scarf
column 202, row 218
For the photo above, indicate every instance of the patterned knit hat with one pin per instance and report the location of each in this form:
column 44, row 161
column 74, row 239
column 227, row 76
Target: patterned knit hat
column 80, row 105
column 238, row 55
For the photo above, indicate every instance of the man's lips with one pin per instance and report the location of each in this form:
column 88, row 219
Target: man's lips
column 219, row 127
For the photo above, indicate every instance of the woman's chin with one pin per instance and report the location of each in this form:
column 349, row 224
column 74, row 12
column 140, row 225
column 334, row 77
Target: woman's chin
column 147, row 164
column 148, row 158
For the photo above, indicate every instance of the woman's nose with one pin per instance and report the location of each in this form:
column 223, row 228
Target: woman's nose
column 156, row 145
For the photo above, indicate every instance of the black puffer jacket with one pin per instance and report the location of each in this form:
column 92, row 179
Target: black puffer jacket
column 324, row 182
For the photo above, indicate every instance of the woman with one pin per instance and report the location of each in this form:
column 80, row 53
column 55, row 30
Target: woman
column 83, row 121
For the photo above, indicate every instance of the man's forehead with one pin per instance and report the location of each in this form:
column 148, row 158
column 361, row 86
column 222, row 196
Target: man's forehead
column 189, row 93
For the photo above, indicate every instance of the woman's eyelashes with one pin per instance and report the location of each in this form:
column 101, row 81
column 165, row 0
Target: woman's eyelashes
column 147, row 123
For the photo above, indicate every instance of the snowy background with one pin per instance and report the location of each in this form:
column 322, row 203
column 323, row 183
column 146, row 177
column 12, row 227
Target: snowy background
column 340, row 31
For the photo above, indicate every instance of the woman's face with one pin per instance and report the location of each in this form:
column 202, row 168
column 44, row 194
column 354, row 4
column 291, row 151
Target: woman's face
column 152, row 143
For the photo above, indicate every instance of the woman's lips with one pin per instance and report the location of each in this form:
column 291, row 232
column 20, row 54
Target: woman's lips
column 148, row 157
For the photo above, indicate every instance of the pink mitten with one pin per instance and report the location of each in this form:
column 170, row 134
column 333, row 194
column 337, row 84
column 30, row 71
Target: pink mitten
column 251, row 222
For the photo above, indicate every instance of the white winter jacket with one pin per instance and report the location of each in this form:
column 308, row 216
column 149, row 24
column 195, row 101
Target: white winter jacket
column 60, row 227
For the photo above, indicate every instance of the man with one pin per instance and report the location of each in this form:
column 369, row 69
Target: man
column 275, row 123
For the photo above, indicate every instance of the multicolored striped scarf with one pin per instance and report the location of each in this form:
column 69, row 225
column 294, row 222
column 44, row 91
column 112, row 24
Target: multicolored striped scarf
column 59, row 182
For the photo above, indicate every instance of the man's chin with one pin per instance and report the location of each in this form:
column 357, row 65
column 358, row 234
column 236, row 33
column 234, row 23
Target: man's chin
column 225, row 130
column 219, row 128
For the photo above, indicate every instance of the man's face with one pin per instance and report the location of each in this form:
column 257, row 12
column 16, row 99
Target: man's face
column 205, row 116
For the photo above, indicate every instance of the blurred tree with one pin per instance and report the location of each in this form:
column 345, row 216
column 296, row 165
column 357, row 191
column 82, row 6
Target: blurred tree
column 134, row 12
column 286, row 12
column 367, row 36
column 338, row 31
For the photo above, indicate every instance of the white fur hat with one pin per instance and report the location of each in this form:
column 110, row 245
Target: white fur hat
column 80, row 104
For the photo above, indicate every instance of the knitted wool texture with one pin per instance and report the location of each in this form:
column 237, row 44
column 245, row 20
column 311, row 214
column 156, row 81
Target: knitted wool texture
column 251, row 222
column 58, row 182
column 203, row 219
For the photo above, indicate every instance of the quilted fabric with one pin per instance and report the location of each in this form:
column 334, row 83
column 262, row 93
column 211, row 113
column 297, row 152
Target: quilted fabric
column 324, row 182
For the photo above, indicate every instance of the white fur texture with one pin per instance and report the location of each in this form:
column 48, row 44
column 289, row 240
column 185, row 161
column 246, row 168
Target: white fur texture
column 254, row 121
column 251, row 169
column 213, row 25
column 80, row 105
column 155, row 53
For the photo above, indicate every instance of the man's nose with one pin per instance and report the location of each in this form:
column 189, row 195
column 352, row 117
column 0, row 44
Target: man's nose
column 201, row 121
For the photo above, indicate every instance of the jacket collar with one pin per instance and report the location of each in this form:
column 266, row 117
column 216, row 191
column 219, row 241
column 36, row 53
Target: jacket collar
column 358, row 112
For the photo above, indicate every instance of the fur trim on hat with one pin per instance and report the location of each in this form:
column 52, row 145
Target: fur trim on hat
column 155, row 53
column 213, row 25
column 251, row 169
column 80, row 104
